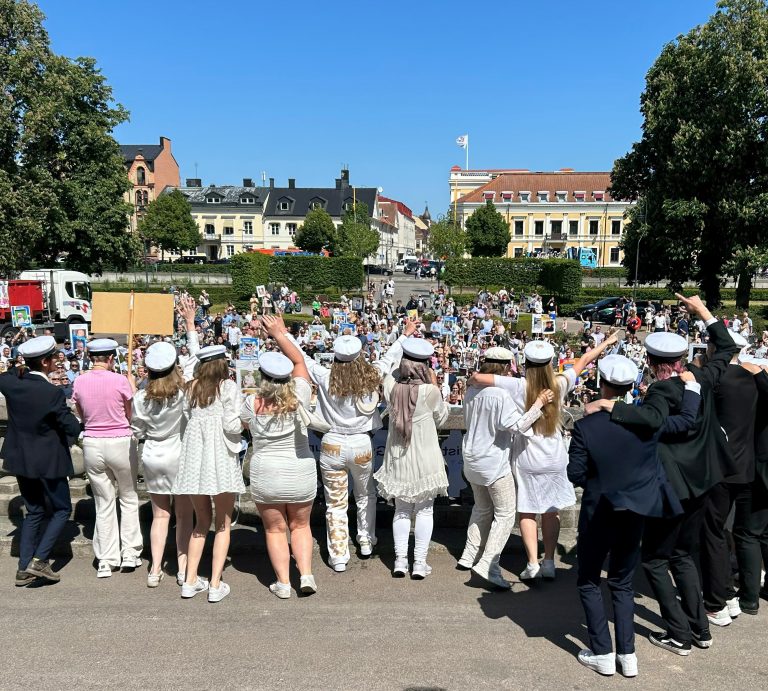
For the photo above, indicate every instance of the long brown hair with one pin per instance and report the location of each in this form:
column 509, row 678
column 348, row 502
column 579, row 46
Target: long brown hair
column 538, row 378
column 204, row 388
column 356, row 378
column 163, row 387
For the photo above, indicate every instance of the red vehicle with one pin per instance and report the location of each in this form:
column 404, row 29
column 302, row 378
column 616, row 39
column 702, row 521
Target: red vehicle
column 21, row 293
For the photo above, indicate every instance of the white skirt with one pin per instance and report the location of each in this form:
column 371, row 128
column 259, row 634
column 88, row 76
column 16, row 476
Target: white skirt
column 541, row 474
column 160, row 459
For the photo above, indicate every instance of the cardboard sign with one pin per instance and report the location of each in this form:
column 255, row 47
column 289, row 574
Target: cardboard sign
column 152, row 313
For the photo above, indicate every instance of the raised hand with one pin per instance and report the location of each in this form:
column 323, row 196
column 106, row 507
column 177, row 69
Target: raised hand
column 411, row 326
column 187, row 308
column 274, row 324
column 694, row 305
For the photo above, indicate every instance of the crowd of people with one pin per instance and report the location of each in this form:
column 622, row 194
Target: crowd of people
column 673, row 437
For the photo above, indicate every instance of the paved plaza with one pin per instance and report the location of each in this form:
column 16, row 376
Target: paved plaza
column 363, row 630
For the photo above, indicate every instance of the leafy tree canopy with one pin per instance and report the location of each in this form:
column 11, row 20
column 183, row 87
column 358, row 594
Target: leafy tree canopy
column 355, row 236
column 168, row 223
column 700, row 171
column 487, row 232
column 446, row 238
column 317, row 232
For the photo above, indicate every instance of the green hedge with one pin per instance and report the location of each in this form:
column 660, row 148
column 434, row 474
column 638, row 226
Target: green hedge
column 561, row 277
column 612, row 290
column 606, row 272
column 316, row 273
column 248, row 270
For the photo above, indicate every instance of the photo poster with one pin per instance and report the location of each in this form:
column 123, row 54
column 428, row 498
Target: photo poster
column 315, row 334
column 247, row 376
column 5, row 301
column 347, row 329
column 21, row 316
column 549, row 326
column 78, row 336
column 357, row 304
column 413, row 314
column 537, row 323
column 695, row 349
column 261, row 291
column 450, row 325
column 339, row 318
column 324, row 359
column 249, row 349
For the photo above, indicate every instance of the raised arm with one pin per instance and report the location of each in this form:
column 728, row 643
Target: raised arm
column 187, row 309
column 595, row 353
column 391, row 359
column 275, row 327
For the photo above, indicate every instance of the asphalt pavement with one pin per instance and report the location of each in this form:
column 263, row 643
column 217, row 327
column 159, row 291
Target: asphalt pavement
column 362, row 630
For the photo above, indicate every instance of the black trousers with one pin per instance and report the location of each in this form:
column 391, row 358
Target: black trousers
column 617, row 535
column 669, row 550
column 716, row 576
column 35, row 491
column 750, row 535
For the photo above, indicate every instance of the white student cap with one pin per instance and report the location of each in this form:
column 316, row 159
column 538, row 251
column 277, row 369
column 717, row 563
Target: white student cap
column 160, row 356
column 617, row 369
column 213, row 352
column 666, row 345
column 418, row 348
column 347, row 348
column 37, row 347
column 539, row 352
column 102, row 346
column 275, row 365
column 500, row 354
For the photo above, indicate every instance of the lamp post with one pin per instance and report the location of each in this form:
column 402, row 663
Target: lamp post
column 640, row 236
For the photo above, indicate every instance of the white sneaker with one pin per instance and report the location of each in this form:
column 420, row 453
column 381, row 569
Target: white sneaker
column 130, row 562
column 602, row 664
column 733, row 607
column 281, row 590
column 199, row 586
column 401, row 567
column 339, row 568
column 465, row 563
column 366, row 546
column 547, row 569
column 530, row 572
column 420, row 570
column 180, row 576
column 218, row 594
column 494, row 577
column 104, row 570
column 153, row 579
column 308, row 585
column 628, row 664
column 721, row 618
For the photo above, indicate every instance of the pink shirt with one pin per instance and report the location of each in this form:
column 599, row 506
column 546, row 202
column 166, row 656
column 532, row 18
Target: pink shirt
column 101, row 396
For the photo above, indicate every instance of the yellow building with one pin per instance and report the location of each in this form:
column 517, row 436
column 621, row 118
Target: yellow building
column 548, row 213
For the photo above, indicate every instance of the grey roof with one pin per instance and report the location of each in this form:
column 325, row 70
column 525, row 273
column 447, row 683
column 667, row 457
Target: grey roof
column 149, row 151
column 333, row 198
column 230, row 194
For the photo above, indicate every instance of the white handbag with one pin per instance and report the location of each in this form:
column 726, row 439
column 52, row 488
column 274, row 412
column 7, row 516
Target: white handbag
column 312, row 420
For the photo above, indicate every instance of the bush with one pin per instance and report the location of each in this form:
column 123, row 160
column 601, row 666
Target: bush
column 561, row 277
column 248, row 270
column 606, row 272
column 316, row 273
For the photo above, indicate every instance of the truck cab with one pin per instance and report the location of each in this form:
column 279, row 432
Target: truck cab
column 68, row 294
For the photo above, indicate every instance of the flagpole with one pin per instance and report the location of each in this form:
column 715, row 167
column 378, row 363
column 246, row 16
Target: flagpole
column 467, row 154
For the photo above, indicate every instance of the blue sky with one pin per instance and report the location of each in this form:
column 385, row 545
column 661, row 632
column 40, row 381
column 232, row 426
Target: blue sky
column 297, row 89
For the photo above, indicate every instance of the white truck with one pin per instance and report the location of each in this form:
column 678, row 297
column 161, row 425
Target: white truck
column 67, row 297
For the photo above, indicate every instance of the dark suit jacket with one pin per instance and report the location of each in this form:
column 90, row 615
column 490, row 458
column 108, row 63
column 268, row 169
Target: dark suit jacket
column 622, row 465
column 736, row 405
column 40, row 427
column 761, row 429
column 698, row 459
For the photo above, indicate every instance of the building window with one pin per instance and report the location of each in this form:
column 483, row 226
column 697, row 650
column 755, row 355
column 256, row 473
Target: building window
column 573, row 227
column 209, row 229
column 284, row 206
column 519, row 225
column 247, row 200
column 229, row 230
column 518, row 251
column 138, row 198
column 213, row 200
column 543, row 196
column 538, row 227
column 247, row 227
column 594, row 227
column 274, row 228
column 579, row 196
column 561, row 196
column 506, row 196
column 230, row 250
column 141, row 176
column 557, row 228
column 319, row 205
column 598, row 196
column 616, row 227
column 525, row 197
column 614, row 255
column 488, row 196
column 348, row 207
column 291, row 228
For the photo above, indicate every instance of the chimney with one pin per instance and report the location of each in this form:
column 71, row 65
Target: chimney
column 338, row 183
column 271, row 183
column 194, row 182
column 247, row 182
column 291, row 183
column 165, row 143
column 345, row 177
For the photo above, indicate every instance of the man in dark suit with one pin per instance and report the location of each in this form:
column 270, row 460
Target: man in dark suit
column 36, row 450
column 623, row 481
column 694, row 462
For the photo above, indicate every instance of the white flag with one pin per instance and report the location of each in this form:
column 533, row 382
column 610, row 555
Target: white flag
column 463, row 141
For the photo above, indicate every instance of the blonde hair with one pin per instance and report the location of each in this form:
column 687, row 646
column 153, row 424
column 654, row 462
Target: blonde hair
column 164, row 387
column 538, row 378
column 281, row 396
column 353, row 379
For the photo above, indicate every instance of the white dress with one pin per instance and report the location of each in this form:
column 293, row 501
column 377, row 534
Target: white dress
column 416, row 472
column 540, row 463
column 160, row 426
column 283, row 469
column 211, row 446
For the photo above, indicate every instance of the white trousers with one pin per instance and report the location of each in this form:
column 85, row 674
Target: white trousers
column 342, row 455
column 109, row 460
column 422, row 529
column 491, row 522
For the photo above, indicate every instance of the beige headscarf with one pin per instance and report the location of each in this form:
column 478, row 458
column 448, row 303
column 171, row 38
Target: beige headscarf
column 405, row 395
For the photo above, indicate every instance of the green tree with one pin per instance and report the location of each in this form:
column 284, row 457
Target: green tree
column 700, row 171
column 487, row 232
column 355, row 236
column 168, row 223
column 62, row 177
column 317, row 232
column 446, row 238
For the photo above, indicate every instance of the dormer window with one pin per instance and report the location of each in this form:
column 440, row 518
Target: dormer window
column 247, row 200
column 213, row 199
column 284, row 205
column 579, row 196
column 561, row 196
column 506, row 196
column 348, row 205
column 525, row 197
column 543, row 196
column 317, row 203
column 488, row 196
column 598, row 196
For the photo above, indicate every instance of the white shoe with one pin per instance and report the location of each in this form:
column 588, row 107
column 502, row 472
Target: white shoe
column 180, row 576
column 420, row 570
column 628, row 664
column 465, row 563
column 366, row 546
column 308, row 585
column 721, row 618
column 153, row 579
column 218, row 594
column 104, row 570
column 199, row 586
column 130, row 563
column 602, row 664
column 401, row 567
column 530, row 572
column 339, row 568
column 733, row 607
column 492, row 576
column 547, row 569
column 281, row 590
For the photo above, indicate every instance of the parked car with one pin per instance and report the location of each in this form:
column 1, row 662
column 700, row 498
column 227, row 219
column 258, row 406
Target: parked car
column 376, row 269
column 193, row 259
column 589, row 311
column 410, row 266
column 400, row 266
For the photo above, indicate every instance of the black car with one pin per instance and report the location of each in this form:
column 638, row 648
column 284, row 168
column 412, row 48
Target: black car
column 376, row 269
column 589, row 312
column 410, row 266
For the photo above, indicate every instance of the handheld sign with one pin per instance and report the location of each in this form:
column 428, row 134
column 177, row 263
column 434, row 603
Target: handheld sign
column 152, row 313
